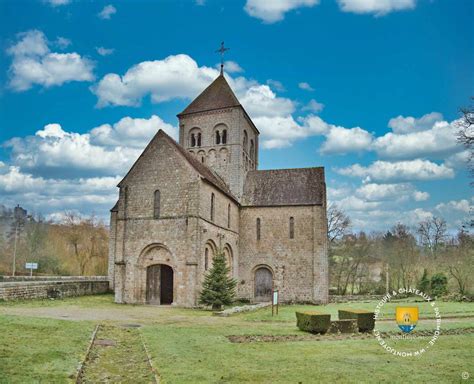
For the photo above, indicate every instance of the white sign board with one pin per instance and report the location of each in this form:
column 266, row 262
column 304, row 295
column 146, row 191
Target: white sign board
column 31, row 265
column 275, row 297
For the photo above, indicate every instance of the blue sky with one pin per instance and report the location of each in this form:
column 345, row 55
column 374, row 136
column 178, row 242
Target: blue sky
column 370, row 90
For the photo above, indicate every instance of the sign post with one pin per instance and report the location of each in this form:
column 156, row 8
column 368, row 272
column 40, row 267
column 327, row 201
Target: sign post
column 31, row 266
column 275, row 302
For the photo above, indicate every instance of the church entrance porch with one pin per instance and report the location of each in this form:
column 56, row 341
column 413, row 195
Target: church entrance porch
column 159, row 284
column 263, row 284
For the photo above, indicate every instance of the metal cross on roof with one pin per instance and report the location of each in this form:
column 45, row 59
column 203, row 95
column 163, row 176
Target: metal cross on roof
column 222, row 50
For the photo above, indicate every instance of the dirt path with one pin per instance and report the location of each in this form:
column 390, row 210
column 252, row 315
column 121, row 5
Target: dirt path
column 117, row 355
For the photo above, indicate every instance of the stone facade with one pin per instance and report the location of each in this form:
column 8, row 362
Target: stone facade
column 182, row 203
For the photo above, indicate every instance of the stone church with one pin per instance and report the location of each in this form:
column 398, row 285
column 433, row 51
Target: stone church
column 181, row 203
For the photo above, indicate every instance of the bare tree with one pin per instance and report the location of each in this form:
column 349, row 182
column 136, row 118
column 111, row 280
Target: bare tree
column 432, row 233
column 338, row 222
column 465, row 135
column 461, row 261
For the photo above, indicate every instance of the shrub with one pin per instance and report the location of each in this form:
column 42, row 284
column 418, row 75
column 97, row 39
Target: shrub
column 343, row 326
column 312, row 321
column 424, row 283
column 439, row 284
column 365, row 319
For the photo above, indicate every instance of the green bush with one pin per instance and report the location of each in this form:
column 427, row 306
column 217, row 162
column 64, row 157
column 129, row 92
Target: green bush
column 439, row 284
column 424, row 283
column 343, row 326
column 312, row 321
column 365, row 319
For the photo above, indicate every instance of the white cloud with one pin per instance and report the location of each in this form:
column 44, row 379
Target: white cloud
column 56, row 3
column 260, row 100
column 377, row 7
column 231, row 67
column 390, row 192
column 105, row 150
column 437, row 141
column 313, row 106
column 107, row 12
column 305, row 86
column 33, row 63
column 274, row 10
column 354, row 203
column 399, row 171
column 104, row 51
column 463, row 206
column 409, row 124
column 62, row 42
column 276, row 85
column 344, row 140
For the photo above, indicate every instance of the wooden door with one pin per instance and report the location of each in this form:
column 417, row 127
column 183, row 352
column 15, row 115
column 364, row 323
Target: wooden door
column 166, row 289
column 263, row 284
column 153, row 290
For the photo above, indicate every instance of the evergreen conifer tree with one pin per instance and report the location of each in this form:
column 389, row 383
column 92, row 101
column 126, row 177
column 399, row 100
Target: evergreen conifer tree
column 218, row 287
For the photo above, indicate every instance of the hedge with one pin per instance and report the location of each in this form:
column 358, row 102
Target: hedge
column 344, row 326
column 312, row 321
column 365, row 319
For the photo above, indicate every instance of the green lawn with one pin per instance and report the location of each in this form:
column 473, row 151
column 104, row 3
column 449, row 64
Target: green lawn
column 191, row 346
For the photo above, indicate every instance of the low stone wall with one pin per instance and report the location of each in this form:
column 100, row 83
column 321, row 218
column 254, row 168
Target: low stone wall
column 55, row 288
column 349, row 298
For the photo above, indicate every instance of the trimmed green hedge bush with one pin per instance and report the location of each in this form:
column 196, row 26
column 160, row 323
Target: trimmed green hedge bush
column 312, row 321
column 365, row 319
column 344, row 326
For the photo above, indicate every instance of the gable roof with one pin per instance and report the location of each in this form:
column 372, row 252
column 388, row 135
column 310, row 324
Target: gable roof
column 204, row 171
column 278, row 187
column 217, row 95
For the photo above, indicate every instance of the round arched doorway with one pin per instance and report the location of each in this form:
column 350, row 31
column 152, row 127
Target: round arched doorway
column 263, row 284
column 159, row 284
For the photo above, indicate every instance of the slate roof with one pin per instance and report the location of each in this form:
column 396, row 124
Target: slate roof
column 279, row 187
column 217, row 95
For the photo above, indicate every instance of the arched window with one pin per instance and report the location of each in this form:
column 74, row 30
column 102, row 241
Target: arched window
column 252, row 151
column 193, row 140
column 206, row 259
column 292, row 228
column 224, row 136
column 218, row 137
column 213, row 198
column 246, row 140
column 228, row 216
column 199, row 139
column 258, row 228
column 195, row 137
column 156, row 206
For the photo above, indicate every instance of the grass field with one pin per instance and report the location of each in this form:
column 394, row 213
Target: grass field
column 191, row 346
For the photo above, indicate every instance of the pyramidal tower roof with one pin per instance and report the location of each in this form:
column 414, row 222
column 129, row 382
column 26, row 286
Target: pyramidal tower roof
column 218, row 95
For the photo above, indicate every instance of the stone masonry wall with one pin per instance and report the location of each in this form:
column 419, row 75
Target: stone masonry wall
column 24, row 290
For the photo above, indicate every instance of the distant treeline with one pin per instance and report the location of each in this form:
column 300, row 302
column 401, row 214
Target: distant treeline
column 76, row 246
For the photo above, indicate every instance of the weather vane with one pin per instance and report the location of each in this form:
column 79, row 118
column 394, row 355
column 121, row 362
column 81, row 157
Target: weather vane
column 222, row 50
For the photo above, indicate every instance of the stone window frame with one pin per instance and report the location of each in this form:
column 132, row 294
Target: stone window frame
column 220, row 134
column 195, row 137
column 292, row 227
column 213, row 208
column 258, row 228
column 156, row 204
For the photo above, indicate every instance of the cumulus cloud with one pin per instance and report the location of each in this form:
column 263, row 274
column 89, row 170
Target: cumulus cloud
column 436, row 141
column 392, row 192
column 463, row 206
column 276, row 85
column 105, row 150
column 273, row 11
column 399, row 171
column 62, row 42
column 107, row 12
column 344, row 140
column 56, row 3
column 409, row 124
column 305, row 87
column 313, row 106
column 34, row 63
column 377, row 7
column 104, row 51
column 260, row 100
column 231, row 67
